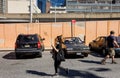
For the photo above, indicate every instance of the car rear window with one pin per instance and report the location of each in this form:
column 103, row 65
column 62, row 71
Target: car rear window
column 27, row 38
column 72, row 40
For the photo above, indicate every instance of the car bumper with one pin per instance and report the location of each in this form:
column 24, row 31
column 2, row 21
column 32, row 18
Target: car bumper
column 27, row 50
column 78, row 52
column 117, row 51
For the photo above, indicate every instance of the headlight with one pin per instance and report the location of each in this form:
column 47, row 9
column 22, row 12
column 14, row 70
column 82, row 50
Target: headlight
column 69, row 48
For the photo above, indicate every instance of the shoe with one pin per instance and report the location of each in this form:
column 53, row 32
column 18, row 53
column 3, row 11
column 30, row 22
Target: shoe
column 103, row 62
column 67, row 71
column 55, row 74
column 114, row 62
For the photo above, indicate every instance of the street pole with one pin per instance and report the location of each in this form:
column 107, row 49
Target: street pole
column 55, row 12
column 73, row 28
column 30, row 11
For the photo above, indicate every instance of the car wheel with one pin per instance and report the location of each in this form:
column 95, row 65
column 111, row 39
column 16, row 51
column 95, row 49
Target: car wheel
column 86, row 55
column 65, row 54
column 17, row 55
column 91, row 49
column 39, row 54
column 104, row 52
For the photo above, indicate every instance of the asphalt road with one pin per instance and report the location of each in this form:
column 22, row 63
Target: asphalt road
column 34, row 67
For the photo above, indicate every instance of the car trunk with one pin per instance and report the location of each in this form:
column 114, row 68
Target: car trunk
column 25, row 45
column 77, row 46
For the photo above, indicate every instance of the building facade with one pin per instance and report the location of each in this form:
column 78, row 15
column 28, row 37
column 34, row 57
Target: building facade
column 3, row 6
column 22, row 6
column 18, row 6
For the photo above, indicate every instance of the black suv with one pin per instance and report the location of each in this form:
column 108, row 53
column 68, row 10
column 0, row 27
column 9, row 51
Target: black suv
column 29, row 44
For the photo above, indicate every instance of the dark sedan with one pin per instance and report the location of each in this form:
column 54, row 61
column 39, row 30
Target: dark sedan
column 74, row 45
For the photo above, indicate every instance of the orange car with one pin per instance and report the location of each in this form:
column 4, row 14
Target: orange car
column 99, row 44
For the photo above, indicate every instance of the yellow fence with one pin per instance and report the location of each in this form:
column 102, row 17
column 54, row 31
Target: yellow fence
column 89, row 29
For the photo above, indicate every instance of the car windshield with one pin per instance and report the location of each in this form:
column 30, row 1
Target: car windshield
column 72, row 40
column 27, row 38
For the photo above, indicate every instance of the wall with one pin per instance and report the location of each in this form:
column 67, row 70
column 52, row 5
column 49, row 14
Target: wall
column 89, row 29
column 101, row 28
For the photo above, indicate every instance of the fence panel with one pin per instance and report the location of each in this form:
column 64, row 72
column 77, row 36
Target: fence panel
column 21, row 29
column 33, row 28
column 90, row 31
column 113, row 25
column 80, row 30
column 2, row 39
column 67, row 29
column 46, row 32
column 101, row 28
column 10, row 35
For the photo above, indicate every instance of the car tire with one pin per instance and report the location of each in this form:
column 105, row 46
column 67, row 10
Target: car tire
column 85, row 55
column 65, row 54
column 39, row 54
column 17, row 55
column 91, row 49
column 104, row 52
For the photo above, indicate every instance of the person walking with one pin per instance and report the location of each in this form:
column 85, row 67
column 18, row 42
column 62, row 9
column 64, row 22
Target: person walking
column 57, row 51
column 111, row 43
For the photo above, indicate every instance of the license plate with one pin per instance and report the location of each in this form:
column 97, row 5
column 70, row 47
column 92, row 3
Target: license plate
column 27, row 45
column 78, row 54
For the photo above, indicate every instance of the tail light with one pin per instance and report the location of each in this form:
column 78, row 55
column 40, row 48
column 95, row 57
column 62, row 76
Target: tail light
column 38, row 44
column 15, row 45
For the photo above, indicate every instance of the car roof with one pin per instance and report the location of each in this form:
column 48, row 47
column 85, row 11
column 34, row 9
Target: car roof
column 102, row 37
column 69, row 37
column 27, row 34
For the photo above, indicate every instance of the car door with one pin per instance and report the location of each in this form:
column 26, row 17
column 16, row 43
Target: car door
column 96, row 42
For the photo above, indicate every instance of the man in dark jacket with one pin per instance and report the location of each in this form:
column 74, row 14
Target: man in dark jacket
column 111, row 43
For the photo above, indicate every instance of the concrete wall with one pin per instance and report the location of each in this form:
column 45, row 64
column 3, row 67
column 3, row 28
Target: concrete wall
column 89, row 29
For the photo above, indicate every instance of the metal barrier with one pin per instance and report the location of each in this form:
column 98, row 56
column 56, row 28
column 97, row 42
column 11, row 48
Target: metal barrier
column 75, row 6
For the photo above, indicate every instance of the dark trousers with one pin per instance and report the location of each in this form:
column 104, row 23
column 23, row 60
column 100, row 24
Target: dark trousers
column 56, row 65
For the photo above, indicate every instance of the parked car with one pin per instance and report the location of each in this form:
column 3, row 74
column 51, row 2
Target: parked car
column 29, row 44
column 74, row 45
column 100, row 45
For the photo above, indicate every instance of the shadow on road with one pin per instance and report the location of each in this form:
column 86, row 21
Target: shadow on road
column 11, row 56
column 100, row 69
column 71, row 74
column 73, row 57
column 78, row 74
column 90, row 61
column 38, row 73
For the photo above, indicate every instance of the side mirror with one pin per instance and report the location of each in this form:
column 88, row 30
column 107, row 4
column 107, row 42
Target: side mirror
column 83, row 41
column 94, row 41
column 43, row 39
